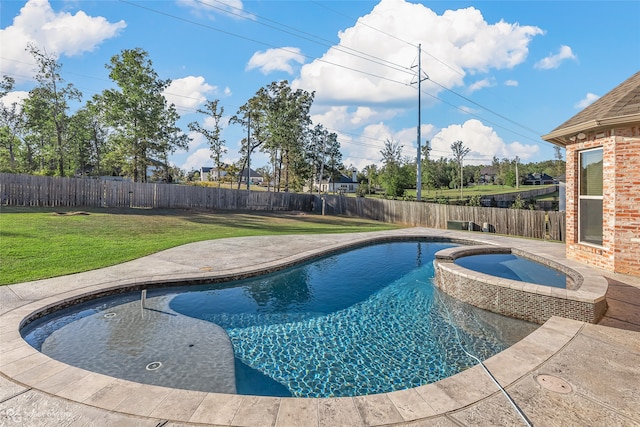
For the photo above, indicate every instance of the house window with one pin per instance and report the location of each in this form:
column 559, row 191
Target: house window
column 590, row 197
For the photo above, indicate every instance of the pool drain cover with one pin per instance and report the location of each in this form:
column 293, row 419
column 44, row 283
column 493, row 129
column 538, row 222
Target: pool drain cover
column 554, row 384
column 109, row 315
column 153, row 366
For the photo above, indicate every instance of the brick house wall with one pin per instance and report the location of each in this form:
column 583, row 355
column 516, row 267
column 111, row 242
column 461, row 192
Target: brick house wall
column 620, row 251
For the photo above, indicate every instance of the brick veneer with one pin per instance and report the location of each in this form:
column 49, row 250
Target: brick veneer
column 620, row 251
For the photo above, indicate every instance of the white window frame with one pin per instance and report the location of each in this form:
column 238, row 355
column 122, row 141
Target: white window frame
column 587, row 197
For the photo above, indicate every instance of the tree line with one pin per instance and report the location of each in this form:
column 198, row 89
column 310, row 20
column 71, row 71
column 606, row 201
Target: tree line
column 398, row 173
column 131, row 129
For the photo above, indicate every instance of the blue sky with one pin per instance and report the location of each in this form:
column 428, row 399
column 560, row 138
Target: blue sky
column 500, row 73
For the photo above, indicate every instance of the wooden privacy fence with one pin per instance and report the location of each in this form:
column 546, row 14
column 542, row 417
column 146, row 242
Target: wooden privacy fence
column 29, row 190
column 515, row 222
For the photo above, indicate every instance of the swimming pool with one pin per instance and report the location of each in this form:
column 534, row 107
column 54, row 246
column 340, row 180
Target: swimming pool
column 358, row 322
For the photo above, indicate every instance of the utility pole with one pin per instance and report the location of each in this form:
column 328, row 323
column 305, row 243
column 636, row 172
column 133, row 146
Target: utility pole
column 419, row 156
column 248, row 150
column 324, row 148
column 517, row 177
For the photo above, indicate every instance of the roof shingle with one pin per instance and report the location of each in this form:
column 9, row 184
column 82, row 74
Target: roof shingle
column 622, row 101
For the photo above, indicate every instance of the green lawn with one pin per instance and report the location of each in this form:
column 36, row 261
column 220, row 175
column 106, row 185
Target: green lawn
column 482, row 190
column 41, row 243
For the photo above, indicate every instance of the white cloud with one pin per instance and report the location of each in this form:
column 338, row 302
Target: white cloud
column 275, row 60
column 349, row 118
column 523, row 151
column 362, row 130
column 483, row 141
column 511, row 83
column 554, row 61
column 198, row 159
column 17, row 97
column 461, row 40
column 188, row 92
column 589, row 99
column 59, row 33
column 364, row 149
column 196, row 140
column 480, row 84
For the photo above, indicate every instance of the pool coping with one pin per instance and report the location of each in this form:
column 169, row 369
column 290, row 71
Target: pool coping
column 26, row 366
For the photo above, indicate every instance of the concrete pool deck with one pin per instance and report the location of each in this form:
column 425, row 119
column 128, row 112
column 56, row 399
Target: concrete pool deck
column 600, row 365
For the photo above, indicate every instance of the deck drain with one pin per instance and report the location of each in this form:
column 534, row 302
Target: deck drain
column 109, row 315
column 554, row 384
column 153, row 366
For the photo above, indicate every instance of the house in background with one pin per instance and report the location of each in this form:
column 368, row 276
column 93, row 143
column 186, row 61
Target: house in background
column 342, row 185
column 254, row 177
column 208, row 174
column 603, row 180
column 538, row 179
column 488, row 175
column 211, row 174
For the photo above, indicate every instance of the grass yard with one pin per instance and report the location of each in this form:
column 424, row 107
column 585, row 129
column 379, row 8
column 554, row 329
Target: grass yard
column 481, row 190
column 42, row 243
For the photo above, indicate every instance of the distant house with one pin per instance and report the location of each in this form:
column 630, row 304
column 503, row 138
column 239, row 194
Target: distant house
column 538, row 179
column 206, row 174
column 603, row 180
column 254, row 177
column 343, row 184
column 211, row 174
column 488, row 175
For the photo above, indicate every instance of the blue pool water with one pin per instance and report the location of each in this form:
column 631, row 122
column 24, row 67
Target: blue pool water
column 359, row 322
column 509, row 266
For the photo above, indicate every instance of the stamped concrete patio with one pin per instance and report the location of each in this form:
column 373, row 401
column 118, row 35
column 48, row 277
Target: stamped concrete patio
column 599, row 364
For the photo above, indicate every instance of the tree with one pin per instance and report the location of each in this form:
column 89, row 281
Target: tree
column 99, row 133
column 216, row 145
column 267, row 175
column 560, row 165
column 371, row 173
column 232, row 172
column 80, row 144
column 144, row 125
column 392, row 176
column 11, row 125
column 317, row 153
column 459, row 153
column 48, row 105
column 519, row 203
column 428, row 179
column 252, row 116
column 287, row 119
column 333, row 157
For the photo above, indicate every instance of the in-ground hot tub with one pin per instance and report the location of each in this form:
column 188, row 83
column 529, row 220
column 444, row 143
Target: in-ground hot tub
column 514, row 294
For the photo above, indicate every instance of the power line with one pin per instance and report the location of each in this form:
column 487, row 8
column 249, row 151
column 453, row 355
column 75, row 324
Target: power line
column 397, row 67
column 260, row 42
column 457, row 71
column 312, row 37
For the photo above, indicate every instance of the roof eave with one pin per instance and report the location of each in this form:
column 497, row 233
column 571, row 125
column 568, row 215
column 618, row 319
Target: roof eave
column 562, row 137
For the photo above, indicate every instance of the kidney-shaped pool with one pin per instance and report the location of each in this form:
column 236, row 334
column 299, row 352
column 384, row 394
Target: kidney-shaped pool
column 359, row 322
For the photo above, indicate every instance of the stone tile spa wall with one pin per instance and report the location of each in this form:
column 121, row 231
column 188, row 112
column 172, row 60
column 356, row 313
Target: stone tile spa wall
column 522, row 300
